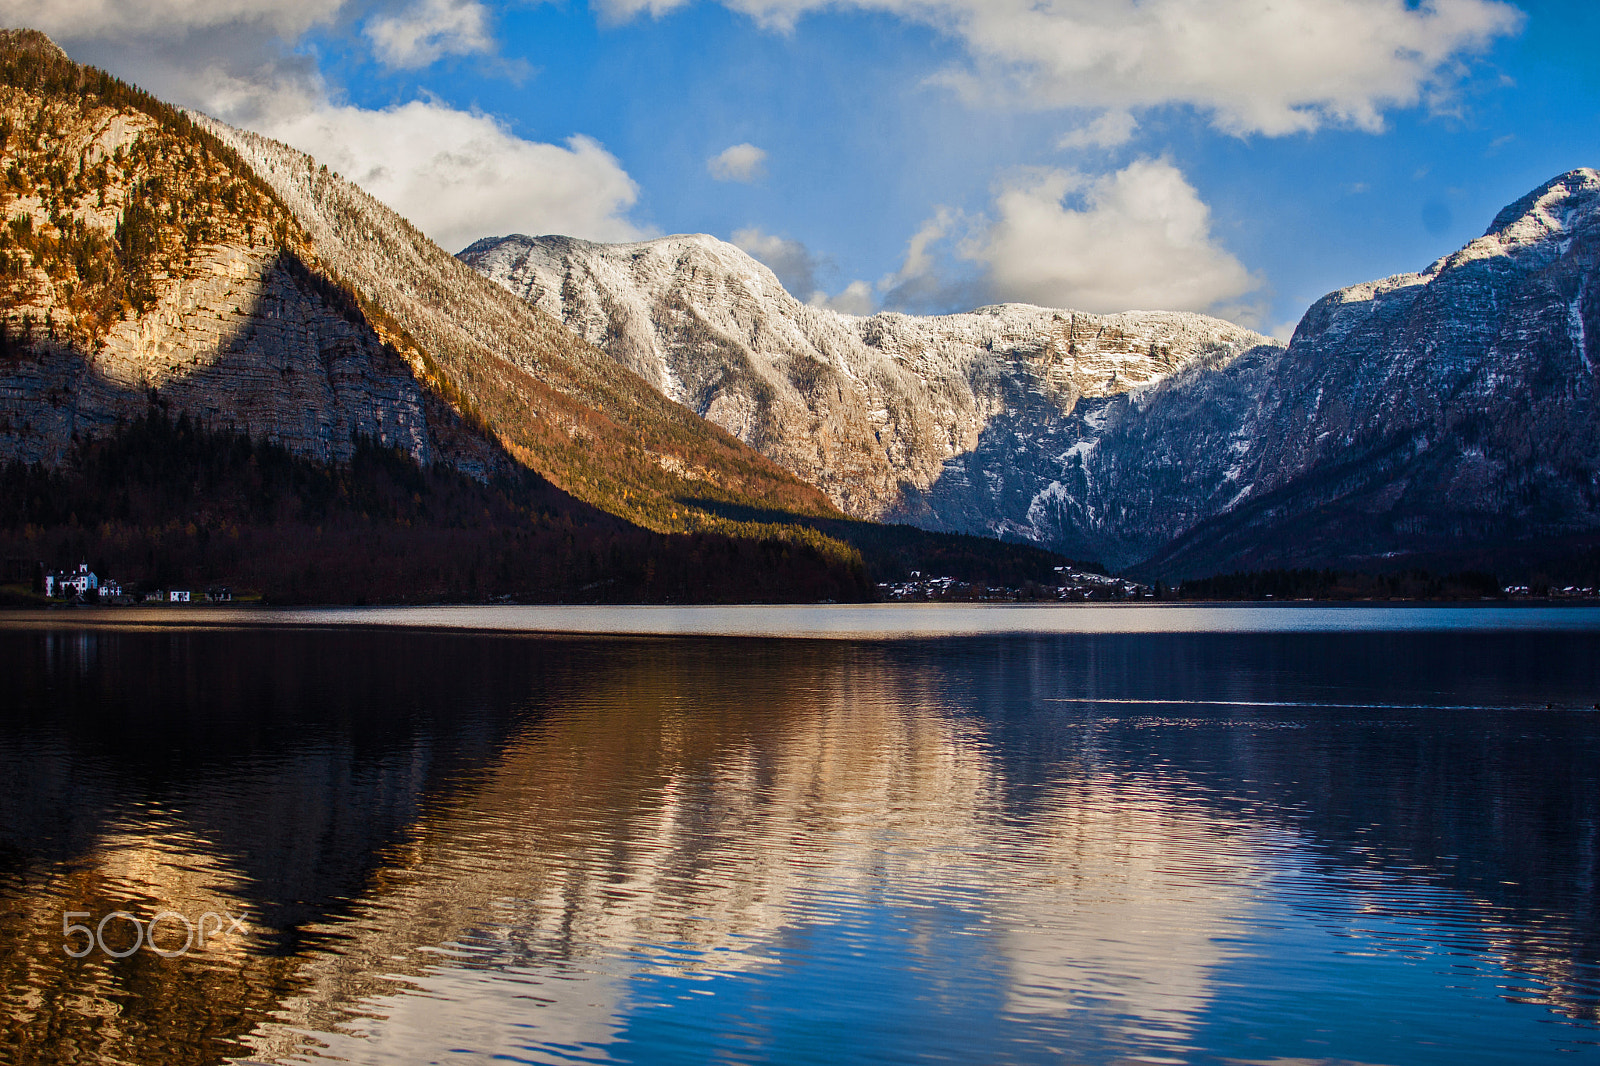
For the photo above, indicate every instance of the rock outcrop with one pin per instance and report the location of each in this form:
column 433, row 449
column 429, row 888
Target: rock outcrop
column 139, row 258
column 244, row 340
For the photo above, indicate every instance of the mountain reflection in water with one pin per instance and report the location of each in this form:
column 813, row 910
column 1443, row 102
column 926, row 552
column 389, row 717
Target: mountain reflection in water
column 1177, row 847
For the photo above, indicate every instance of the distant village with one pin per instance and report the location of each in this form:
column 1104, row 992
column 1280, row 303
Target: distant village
column 84, row 586
column 1072, row 585
column 1553, row 592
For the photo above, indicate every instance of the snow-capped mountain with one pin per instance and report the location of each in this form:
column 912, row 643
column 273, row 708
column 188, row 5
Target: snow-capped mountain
column 955, row 422
column 1448, row 413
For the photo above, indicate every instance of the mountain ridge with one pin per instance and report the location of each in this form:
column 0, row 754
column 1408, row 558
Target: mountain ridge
column 871, row 409
column 1443, row 413
column 554, row 401
column 143, row 251
column 156, row 260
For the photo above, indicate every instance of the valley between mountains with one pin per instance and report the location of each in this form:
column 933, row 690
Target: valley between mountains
column 661, row 420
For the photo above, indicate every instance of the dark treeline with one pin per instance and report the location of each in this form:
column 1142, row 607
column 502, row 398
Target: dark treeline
column 1339, row 585
column 171, row 503
column 894, row 552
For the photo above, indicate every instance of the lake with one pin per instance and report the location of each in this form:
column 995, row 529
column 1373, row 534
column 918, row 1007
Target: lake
column 1289, row 834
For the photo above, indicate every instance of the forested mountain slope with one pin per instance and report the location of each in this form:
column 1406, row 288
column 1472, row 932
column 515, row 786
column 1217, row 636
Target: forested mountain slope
column 161, row 503
column 555, row 401
column 141, row 253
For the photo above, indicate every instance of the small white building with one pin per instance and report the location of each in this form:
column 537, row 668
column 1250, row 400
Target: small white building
column 79, row 582
column 177, row 595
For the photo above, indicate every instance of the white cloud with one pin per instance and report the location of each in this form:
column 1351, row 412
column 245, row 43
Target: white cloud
column 255, row 99
column 1275, row 68
column 1255, row 66
column 622, row 10
column 857, row 298
column 76, row 20
column 1140, row 238
column 1110, row 130
column 920, row 261
column 428, row 31
column 794, row 264
column 928, row 282
column 740, row 162
column 800, row 271
column 1284, row 331
column 460, row 176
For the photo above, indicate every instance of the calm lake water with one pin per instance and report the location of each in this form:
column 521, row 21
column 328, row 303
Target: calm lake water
column 1281, row 835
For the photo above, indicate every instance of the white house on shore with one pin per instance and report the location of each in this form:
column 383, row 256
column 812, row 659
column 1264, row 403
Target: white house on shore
column 81, row 582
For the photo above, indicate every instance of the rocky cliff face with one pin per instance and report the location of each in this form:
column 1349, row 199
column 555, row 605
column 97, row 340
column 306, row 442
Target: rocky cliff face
column 954, row 422
column 139, row 256
column 238, row 339
column 1447, row 413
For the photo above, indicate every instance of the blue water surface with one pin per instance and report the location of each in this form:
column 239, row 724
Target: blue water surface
column 1120, row 840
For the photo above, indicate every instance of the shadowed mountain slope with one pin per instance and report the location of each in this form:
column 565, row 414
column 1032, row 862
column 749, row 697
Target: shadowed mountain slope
column 162, row 504
column 1445, row 418
column 148, row 249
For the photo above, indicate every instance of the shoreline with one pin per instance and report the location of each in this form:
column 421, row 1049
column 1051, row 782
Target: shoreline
column 883, row 621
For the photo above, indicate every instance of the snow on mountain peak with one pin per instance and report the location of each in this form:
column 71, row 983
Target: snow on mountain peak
column 1557, row 206
column 871, row 409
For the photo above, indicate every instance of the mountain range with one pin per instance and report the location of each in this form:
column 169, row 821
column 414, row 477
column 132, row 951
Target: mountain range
column 157, row 265
column 147, row 270
column 1444, row 417
column 151, row 255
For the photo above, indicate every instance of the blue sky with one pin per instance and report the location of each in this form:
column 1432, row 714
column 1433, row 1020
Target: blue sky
column 1237, row 156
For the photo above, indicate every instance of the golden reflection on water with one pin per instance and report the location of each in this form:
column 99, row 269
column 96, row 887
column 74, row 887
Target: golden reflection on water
column 677, row 819
column 142, row 1008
